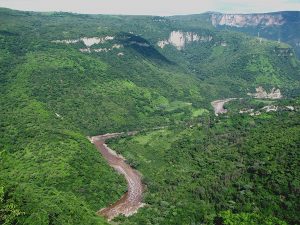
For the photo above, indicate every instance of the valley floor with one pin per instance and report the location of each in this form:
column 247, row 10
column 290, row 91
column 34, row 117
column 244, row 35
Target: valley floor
column 129, row 203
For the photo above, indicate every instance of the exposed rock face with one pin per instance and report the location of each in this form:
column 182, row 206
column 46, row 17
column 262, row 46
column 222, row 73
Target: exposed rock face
column 277, row 26
column 65, row 41
column 115, row 46
column 245, row 20
column 257, row 113
column 291, row 108
column 261, row 93
column 179, row 39
column 246, row 111
column 162, row 44
column 270, row 108
column 88, row 42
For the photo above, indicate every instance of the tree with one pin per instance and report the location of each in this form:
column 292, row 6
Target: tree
column 229, row 218
column 8, row 211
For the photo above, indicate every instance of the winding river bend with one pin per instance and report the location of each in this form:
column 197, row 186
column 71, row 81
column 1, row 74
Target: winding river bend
column 218, row 105
column 131, row 201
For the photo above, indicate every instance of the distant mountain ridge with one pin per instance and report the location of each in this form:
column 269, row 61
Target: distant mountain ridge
column 65, row 76
column 243, row 20
column 282, row 26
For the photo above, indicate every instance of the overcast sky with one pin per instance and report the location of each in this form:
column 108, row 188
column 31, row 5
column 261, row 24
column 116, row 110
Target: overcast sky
column 153, row 7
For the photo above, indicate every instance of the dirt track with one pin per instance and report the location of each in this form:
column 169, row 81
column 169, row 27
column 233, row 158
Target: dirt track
column 129, row 203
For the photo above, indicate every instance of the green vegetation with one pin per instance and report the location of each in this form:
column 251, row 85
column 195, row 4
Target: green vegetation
column 8, row 211
column 198, row 169
column 284, row 32
column 52, row 173
column 228, row 218
column 243, row 164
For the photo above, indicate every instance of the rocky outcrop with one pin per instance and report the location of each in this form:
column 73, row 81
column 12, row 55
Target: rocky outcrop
column 291, row 108
column 87, row 41
column 267, row 109
column 246, row 20
column 242, row 111
column 88, row 50
column 270, row 108
column 262, row 93
column 179, row 39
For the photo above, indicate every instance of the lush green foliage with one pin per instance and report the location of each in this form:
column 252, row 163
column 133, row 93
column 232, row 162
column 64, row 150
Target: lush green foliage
column 229, row 218
column 285, row 32
column 53, row 95
column 244, row 164
column 8, row 211
column 50, row 170
column 53, row 174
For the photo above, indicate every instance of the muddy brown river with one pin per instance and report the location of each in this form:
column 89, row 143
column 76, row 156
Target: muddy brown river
column 131, row 201
column 218, row 105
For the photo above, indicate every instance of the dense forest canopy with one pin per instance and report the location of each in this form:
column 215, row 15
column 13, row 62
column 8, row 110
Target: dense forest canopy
column 66, row 76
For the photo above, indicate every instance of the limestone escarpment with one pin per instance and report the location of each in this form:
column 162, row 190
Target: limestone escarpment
column 179, row 39
column 246, row 20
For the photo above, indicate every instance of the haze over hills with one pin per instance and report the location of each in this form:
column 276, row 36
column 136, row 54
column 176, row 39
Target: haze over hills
column 280, row 26
column 66, row 76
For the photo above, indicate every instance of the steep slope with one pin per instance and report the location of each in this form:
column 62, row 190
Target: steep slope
column 53, row 94
column 237, row 170
column 48, row 168
column 65, row 76
column 238, row 61
column 279, row 26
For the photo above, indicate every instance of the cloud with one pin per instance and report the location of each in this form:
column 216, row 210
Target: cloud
column 153, row 7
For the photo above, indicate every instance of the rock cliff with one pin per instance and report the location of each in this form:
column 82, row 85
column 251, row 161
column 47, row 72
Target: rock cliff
column 179, row 39
column 246, row 20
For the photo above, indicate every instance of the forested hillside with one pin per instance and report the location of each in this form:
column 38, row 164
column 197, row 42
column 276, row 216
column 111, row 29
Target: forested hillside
column 237, row 170
column 67, row 76
column 277, row 26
